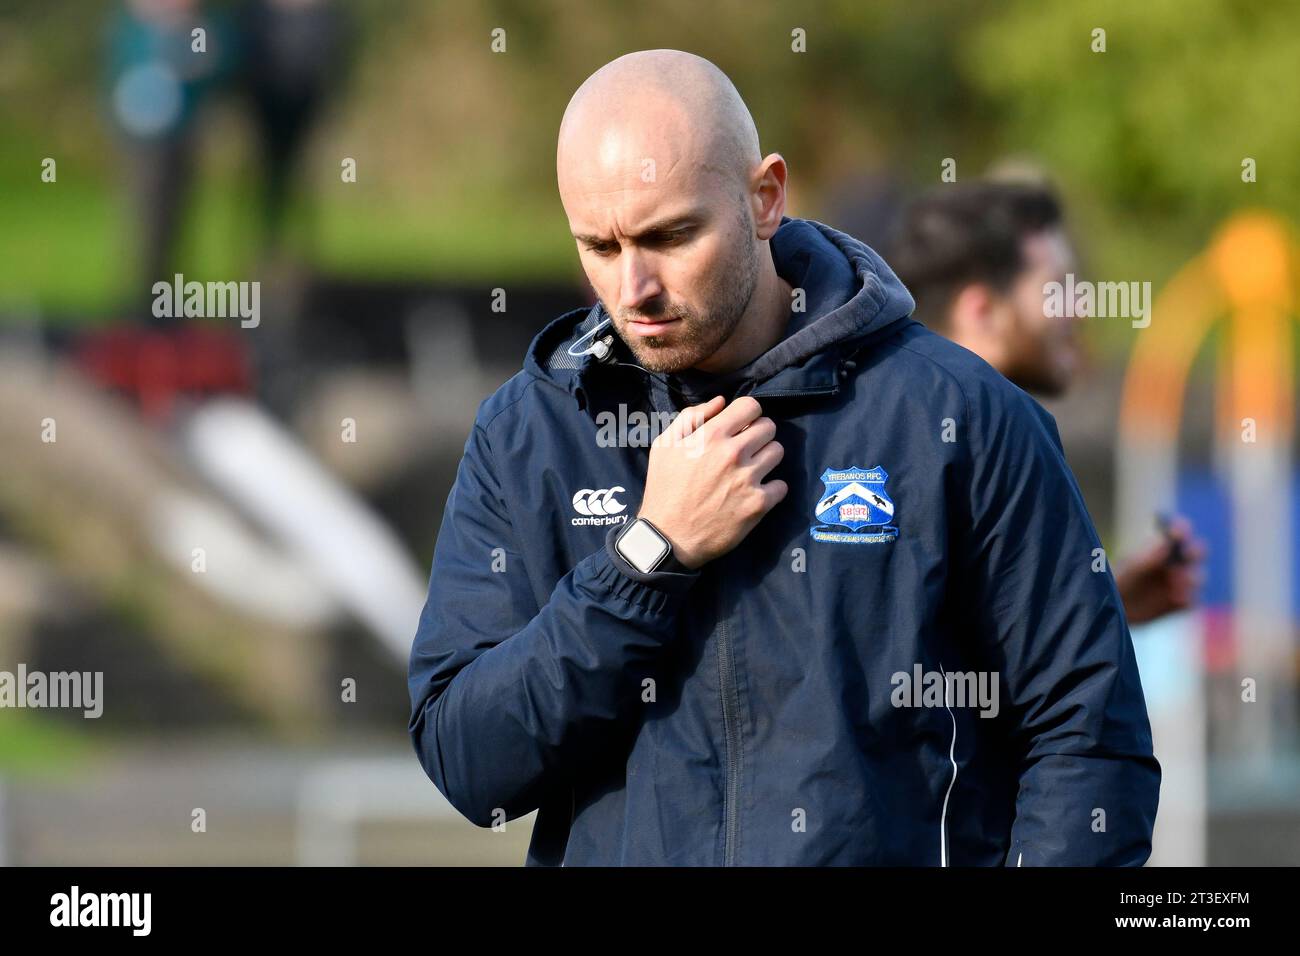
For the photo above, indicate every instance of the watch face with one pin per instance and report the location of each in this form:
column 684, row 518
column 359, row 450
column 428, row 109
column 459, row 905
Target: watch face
column 642, row 546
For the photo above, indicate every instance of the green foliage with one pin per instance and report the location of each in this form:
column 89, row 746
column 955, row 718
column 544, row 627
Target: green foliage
column 1160, row 122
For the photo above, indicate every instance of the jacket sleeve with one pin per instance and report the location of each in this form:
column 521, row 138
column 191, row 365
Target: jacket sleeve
column 1052, row 621
column 508, row 697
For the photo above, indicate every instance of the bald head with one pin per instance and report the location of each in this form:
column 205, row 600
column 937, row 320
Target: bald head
column 664, row 106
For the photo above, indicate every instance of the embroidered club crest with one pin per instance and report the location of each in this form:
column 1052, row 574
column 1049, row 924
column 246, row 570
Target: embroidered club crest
column 855, row 509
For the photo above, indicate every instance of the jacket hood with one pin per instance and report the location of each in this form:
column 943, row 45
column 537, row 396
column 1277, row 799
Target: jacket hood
column 851, row 299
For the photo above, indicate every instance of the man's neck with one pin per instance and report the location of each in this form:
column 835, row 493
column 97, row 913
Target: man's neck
column 761, row 327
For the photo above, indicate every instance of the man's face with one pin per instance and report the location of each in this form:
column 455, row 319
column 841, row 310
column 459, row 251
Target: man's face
column 1042, row 353
column 667, row 243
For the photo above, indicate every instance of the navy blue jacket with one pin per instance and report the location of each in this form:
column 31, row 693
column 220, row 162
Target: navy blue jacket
column 812, row 696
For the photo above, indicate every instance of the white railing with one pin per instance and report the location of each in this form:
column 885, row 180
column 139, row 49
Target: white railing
column 335, row 798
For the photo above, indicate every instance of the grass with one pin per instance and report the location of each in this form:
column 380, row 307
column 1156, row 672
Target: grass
column 66, row 247
column 30, row 743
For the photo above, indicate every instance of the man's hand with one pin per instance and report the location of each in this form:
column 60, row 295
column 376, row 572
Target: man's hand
column 705, row 487
column 1152, row 585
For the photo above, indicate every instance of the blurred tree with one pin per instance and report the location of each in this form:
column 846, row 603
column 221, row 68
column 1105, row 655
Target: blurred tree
column 1161, row 121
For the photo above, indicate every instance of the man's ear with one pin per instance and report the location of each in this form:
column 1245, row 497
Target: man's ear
column 972, row 315
column 767, row 195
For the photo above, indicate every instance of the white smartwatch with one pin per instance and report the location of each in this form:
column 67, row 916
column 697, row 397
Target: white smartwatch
column 644, row 546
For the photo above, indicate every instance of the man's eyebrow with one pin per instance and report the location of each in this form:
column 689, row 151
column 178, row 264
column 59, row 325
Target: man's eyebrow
column 660, row 226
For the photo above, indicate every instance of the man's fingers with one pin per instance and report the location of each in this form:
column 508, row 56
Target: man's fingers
column 736, row 416
column 692, row 417
column 766, row 458
column 1150, row 559
column 773, row 492
column 759, row 433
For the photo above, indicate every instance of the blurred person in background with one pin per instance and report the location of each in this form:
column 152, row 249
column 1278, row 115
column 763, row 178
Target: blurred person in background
column 159, row 76
column 292, row 53
column 976, row 258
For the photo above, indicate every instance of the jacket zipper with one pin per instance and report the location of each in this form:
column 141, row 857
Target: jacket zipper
column 731, row 731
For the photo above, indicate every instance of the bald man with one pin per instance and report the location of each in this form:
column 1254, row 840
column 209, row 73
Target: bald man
column 747, row 567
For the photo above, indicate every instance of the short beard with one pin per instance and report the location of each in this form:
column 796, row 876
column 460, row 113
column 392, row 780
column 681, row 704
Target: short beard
column 697, row 336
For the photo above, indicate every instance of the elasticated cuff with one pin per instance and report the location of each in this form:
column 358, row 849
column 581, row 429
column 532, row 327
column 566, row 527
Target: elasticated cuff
column 656, row 591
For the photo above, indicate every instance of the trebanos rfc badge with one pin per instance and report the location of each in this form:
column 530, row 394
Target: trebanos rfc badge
column 855, row 509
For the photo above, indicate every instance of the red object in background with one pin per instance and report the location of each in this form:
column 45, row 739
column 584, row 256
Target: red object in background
column 156, row 366
column 1220, row 642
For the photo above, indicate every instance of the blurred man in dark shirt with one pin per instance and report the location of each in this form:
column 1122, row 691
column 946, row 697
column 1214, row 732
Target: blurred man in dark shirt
column 976, row 258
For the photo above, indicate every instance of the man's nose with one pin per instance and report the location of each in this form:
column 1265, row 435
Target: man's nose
column 639, row 282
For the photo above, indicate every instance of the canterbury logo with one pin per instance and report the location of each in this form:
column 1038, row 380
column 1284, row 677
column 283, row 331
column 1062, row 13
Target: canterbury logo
column 599, row 506
column 600, row 501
